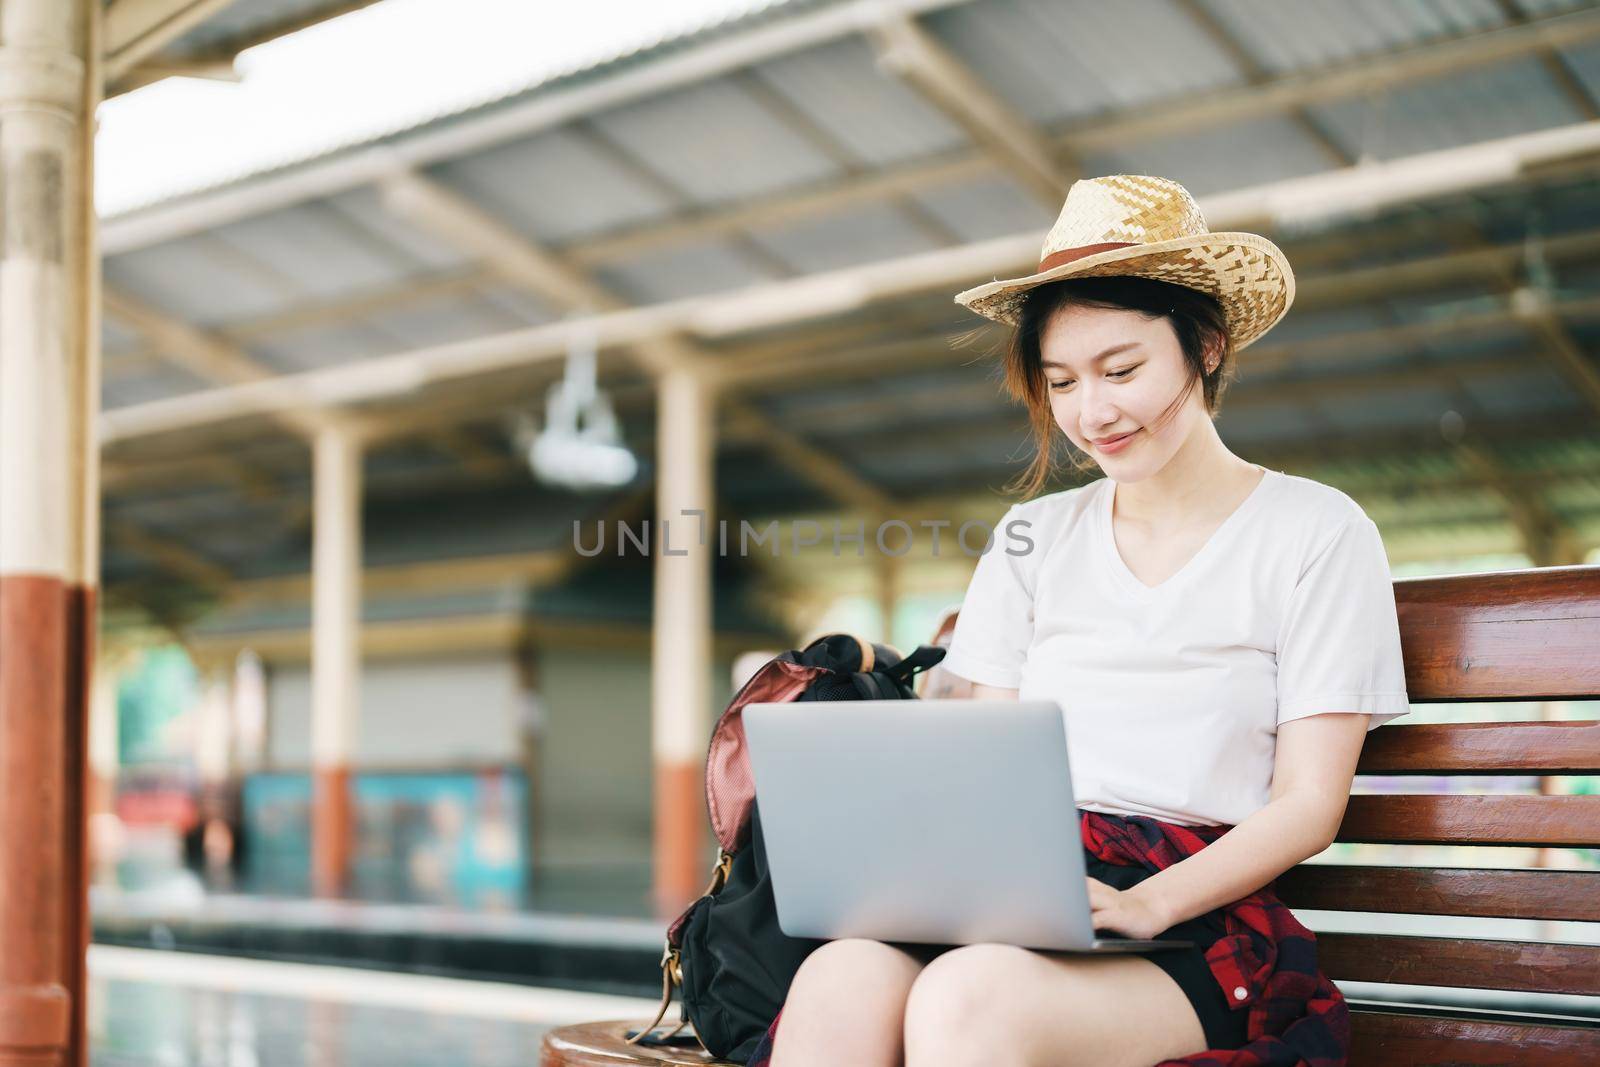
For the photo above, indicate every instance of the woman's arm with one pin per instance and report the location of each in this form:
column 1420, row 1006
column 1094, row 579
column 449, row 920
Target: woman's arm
column 1312, row 773
column 992, row 692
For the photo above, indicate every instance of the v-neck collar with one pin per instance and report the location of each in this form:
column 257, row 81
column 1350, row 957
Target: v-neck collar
column 1128, row 581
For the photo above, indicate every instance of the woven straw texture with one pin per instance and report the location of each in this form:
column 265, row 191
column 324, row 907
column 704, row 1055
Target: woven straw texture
column 1248, row 274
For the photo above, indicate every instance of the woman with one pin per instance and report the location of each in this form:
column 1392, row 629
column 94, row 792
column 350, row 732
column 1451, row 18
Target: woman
column 1221, row 638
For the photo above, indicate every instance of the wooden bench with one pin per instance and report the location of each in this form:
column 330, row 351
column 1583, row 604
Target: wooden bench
column 1514, row 635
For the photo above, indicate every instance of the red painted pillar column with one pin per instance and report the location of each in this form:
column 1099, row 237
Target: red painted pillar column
column 680, row 647
column 49, row 398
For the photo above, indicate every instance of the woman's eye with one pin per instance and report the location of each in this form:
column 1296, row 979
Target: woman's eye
column 1061, row 386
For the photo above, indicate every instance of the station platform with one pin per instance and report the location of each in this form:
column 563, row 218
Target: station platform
column 150, row 1008
column 597, row 954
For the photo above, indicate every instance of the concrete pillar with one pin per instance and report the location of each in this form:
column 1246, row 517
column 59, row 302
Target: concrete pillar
column 888, row 573
column 680, row 652
column 49, row 395
column 335, row 651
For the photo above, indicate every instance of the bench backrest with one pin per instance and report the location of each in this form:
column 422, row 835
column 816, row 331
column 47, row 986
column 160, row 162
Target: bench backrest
column 1516, row 635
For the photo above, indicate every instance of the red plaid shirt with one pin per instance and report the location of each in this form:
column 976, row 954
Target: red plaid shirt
column 1298, row 1018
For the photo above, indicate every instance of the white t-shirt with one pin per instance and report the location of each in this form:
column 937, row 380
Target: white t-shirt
column 1173, row 694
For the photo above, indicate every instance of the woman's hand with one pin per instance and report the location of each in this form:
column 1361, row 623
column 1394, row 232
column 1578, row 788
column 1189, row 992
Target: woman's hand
column 1125, row 911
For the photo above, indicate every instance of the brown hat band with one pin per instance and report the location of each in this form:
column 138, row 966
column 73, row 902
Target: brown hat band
column 1067, row 255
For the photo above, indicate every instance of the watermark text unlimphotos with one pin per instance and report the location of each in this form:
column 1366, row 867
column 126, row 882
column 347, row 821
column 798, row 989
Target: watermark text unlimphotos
column 892, row 537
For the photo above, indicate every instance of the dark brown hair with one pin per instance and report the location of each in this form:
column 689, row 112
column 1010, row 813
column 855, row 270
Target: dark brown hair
column 1196, row 319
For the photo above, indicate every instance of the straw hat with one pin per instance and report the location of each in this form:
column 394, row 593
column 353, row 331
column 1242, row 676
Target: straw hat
column 1134, row 224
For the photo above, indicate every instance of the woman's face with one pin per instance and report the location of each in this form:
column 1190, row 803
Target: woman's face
column 1111, row 372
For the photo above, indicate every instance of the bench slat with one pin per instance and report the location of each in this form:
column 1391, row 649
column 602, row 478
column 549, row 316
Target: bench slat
column 1484, row 748
column 1516, row 635
column 1383, row 1037
column 1471, row 963
column 1413, row 819
column 1572, row 896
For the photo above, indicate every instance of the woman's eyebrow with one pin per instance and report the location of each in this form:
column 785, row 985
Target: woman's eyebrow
column 1113, row 350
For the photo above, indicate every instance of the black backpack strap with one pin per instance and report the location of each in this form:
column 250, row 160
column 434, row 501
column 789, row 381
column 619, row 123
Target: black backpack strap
column 924, row 657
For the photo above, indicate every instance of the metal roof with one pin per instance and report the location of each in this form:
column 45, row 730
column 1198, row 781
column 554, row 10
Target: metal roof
column 749, row 173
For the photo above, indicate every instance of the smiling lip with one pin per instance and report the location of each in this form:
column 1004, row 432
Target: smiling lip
column 1113, row 444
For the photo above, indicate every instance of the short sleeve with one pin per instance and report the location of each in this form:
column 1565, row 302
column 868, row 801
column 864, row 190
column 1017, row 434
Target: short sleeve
column 995, row 624
column 1339, row 642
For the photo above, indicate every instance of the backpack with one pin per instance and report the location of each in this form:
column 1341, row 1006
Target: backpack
column 726, row 955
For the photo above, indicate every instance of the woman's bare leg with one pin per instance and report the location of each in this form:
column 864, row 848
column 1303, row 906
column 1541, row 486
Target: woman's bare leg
column 1003, row 1006
column 846, row 1006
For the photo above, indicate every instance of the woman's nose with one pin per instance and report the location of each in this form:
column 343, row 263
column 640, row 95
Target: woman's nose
column 1098, row 410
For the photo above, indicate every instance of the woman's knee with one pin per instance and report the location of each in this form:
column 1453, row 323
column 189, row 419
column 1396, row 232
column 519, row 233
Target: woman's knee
column 846, row 1001
column 855, row 969
column 960, row 998
column 966, row 1006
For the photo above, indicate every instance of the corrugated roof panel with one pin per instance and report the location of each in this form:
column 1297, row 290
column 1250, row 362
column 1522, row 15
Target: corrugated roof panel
column 321, row 347
column 1401, row 408
column 187, row 278
column 315, row 250
column 714, row 143
column 157, row 383
column 1253, row 426
column 864, row 234
column 680, row 271
column 114, row 337
column 555, row 188
column 439, row 322
column 508, row 72
column 1503, row 339
column 1289, row 35
column 519, row 303
column 1057, row 61
column 1539, row 8
column 1220, row 158
column 1537, row 389
column 406, row 242
column 871, row 114
column 1584, row 62
column 988, row 207
column 1479, row 105
column 245, row 18
column 1302, row 324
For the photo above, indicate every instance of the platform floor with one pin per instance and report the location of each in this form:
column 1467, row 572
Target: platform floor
column 169, row 1009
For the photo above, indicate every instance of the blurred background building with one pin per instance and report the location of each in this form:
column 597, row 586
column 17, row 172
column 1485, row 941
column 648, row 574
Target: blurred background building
column 397, row 293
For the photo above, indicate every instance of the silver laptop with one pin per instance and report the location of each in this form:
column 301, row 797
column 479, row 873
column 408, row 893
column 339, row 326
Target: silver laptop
column 935, row 821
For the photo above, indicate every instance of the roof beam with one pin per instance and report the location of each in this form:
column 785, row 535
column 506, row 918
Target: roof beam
column 202, row 354
column 153, row 70
column 137, row 29
column 1370, row 74
column 407, row 294
column 1556, row 66
column 450, row 216
column 836, row 292
column 784, row 110
column 965, row 394
column 166, row 553
column 912, row 54
column 1256, row 74
column 216, row 62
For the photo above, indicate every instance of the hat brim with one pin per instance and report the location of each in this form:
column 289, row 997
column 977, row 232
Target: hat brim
column 1248, row 274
